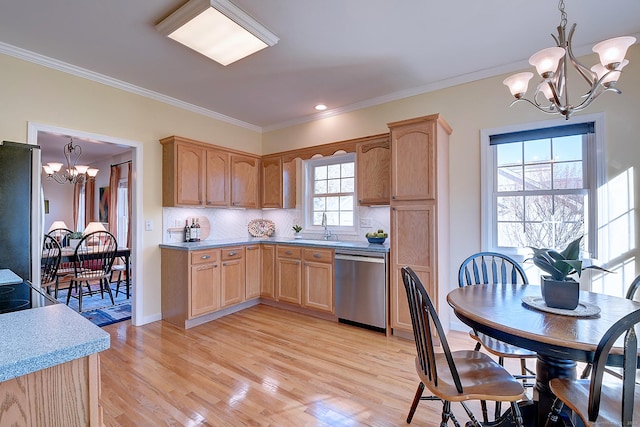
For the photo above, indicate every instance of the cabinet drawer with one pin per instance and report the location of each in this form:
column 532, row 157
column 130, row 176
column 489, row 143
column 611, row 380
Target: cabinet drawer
column 232, row 253
column 289, row 252
column 318, row 255
column 203, row 257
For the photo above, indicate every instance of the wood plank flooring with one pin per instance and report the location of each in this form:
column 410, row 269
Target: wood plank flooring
column 262, row 366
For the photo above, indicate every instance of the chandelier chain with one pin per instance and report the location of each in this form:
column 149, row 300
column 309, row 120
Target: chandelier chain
column 563, row 14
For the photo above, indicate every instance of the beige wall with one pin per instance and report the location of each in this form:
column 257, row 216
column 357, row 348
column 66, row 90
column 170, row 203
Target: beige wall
column 33, row 93
column 469, row 108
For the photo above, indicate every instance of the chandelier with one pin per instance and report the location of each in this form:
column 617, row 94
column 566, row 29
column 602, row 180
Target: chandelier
column 552, row 65
column 73, row 173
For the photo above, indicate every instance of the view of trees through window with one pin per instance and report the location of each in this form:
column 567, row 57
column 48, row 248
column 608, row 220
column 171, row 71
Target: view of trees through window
column 541, row 197
column 334, row 193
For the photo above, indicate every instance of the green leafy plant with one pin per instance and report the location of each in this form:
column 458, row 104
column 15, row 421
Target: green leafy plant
column 297, row 228
column 560, row 265
column 75, row 235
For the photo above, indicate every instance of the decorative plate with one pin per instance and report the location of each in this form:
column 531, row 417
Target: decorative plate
column 584, row 309
column 261, row 227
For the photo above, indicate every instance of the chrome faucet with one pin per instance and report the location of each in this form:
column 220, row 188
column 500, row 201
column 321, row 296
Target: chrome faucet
column 327, row 233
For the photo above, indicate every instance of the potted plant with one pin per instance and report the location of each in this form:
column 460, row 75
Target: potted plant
column 558, row 289
column 74, row 239
column 297, row 229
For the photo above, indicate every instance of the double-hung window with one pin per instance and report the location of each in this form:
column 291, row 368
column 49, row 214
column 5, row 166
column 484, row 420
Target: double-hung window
column 540, row 187
column 330, row 192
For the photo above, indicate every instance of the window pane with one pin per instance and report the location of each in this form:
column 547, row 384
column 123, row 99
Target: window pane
column 567, row 175
column 346, row 203
column 320, row 187
column 567, row 148
column 320, row 172
column 333, row 171
column 510, row 178
column 333, row 203
column 510, row 208
column 538, row 235
column 319, row 204
column 333, row 186
column 348, row 169
column 509, row 234
column 348, row 185
column 509, row 154
column 317, row 218
column 537, row 177
column 538, row 208
column 333, row 218
column 537, row 151
column 346, row 219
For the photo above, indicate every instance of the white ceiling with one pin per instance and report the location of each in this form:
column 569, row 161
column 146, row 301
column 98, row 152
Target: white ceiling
column 344, row 53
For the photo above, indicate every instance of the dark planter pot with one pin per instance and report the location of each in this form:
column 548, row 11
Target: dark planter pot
column 560, row 294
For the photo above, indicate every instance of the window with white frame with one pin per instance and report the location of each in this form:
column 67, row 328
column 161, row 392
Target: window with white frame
column 331, row 187
column 540, row 187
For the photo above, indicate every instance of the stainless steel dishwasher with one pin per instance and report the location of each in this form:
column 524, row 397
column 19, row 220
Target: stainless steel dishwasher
column 361, row 288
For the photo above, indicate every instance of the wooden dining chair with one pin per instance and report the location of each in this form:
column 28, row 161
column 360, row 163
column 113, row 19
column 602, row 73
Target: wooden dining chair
column 61, row 235
column 453, row 376
column 631, row 293
column 92, row 260
column 599, row 403
column 49, row 263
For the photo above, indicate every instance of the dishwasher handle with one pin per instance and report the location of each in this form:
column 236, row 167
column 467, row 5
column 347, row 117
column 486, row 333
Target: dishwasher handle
column 375, row 260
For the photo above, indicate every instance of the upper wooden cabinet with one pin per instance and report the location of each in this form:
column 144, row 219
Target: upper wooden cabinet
column 272, row 178
column 374, row 170
column 199, row 174
column 245, row 180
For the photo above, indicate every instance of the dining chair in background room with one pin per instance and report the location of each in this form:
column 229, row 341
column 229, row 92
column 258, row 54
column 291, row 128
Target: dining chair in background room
column 51, row 255
column 120, row 267
column 92, row 260
column 631, row 293
column 61, row 235
column 599, row 403
column 453, row 376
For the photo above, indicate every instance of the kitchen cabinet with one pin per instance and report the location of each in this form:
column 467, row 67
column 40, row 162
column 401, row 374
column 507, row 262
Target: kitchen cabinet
column 232, row 276
column 289, row 274
column 245, row 180
column 205, row 282
column 318, row 279
column 199, row 174
column 419, row 235
column 272, row 182
column 374, row 171
column 253, row 271
column 267, row 285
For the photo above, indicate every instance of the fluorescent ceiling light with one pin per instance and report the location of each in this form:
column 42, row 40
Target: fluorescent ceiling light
column 217, row 29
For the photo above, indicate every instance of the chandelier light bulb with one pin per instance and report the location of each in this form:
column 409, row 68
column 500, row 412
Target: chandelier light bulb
column 613, row 51
column 546, row 91
column 546, row 61
column 81, row 169
column 518, row 83
column 610, row 78
column 47, row 169
column 55, row 167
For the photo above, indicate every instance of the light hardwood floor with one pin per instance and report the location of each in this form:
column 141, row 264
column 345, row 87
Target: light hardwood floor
column 262, row 366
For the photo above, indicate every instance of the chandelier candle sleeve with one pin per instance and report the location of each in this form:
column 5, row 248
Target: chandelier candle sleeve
column 552, row 66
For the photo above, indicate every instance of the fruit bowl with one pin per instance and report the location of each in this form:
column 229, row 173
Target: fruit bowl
column 379, row 240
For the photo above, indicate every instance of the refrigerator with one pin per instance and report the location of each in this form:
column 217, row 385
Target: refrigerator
column 21, row 220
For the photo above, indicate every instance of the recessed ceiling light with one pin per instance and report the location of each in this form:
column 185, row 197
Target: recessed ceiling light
column 217, row 29
column 320, row 107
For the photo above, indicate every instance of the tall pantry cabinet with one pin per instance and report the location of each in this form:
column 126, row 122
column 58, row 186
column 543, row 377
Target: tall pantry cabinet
column 419, row 234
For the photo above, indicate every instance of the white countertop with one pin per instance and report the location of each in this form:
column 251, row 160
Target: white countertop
column 42, row 337
column 8, row 277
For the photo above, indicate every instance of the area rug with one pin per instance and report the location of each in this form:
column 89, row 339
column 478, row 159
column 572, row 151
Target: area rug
column 99, row 310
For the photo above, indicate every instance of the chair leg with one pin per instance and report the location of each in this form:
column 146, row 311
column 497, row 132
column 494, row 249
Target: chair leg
column 517, row 416
column 118, row 284
column 554, row 415
column 485, row 412
column 69, row 290
column 105, row 282
column 80, row 296
column 447, row 415
column 416, row 400
column 586, row 372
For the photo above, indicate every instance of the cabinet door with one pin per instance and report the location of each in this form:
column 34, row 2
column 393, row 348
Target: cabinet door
column 190, row 175
column 205, row 289
column 318, row 286
column 289, row 280
column 232, row 282
column 272, row 182
column 374, row 172
column 289, row 178
column 245, row 177
column 267, row 287
column 413, row 162
column 253, row 269
column 413, row 225
column 217, row 178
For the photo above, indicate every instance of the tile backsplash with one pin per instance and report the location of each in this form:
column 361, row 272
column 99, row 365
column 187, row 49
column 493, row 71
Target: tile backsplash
column 232, row 223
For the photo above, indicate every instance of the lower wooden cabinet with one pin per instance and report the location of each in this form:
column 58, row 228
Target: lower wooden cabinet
column 233, row 276
column 267, row 286
column 318, row 280
column 289, row 274
column 253, row 271
column 205, row 282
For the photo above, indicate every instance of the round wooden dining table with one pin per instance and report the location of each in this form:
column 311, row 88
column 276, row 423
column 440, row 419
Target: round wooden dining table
column 559, row 340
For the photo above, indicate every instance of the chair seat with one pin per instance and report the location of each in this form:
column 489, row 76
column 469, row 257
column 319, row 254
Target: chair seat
column 575, row 395
column 482, row 379
column 501, row 348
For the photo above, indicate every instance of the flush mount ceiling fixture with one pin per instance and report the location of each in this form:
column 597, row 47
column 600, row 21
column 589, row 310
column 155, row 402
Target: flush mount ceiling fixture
column 552, row 65
column 217, row 29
